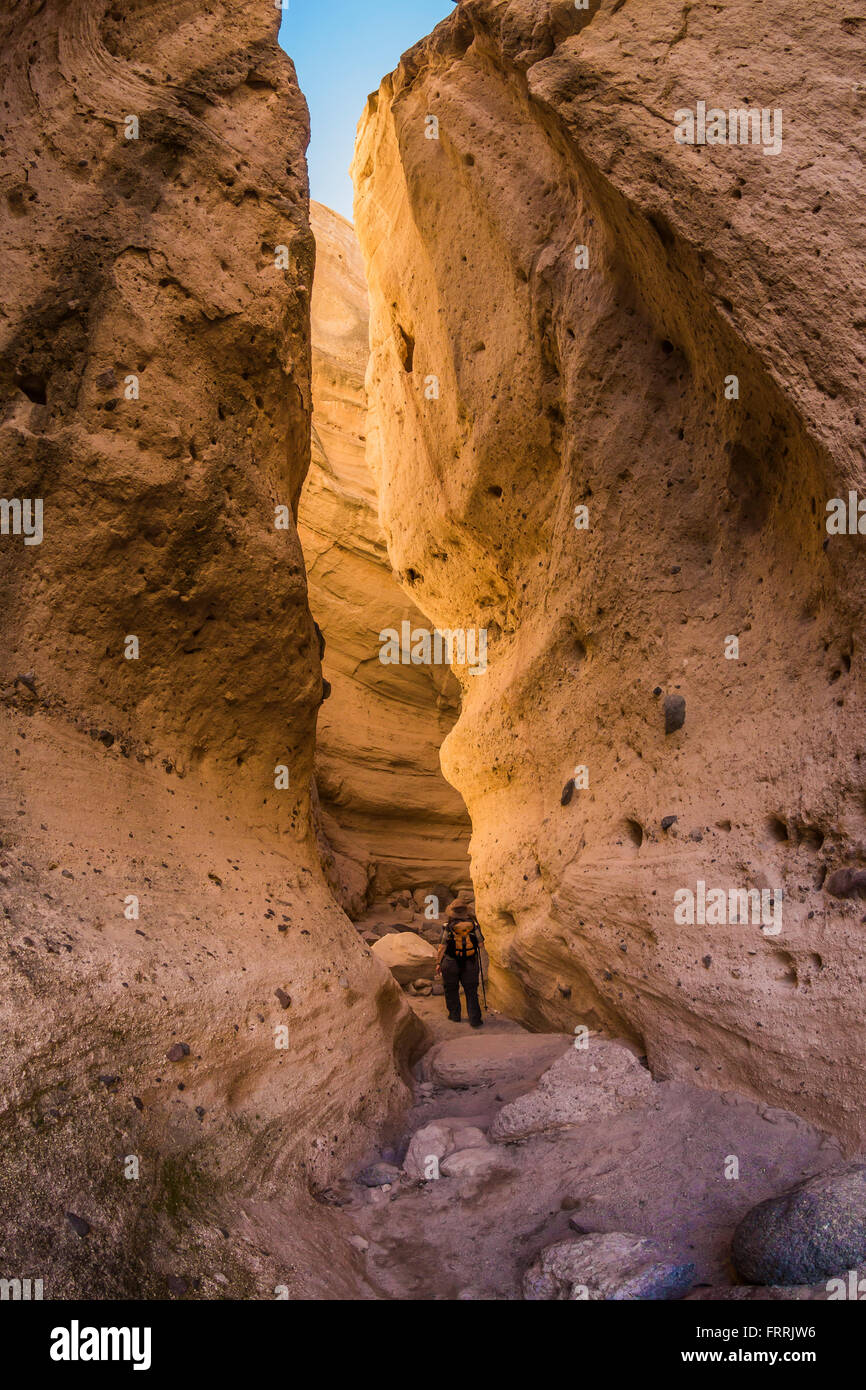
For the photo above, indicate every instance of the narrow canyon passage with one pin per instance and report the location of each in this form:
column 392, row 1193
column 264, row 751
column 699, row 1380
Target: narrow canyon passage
column 391, row 823
column 473, row 560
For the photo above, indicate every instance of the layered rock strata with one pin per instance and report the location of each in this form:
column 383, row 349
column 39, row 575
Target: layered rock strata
column 616, row 378
column 390, row 819
column 195, row 1037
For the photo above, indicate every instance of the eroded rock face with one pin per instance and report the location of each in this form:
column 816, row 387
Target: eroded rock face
column 390, row 818
column 579, row 290
column 159, row 891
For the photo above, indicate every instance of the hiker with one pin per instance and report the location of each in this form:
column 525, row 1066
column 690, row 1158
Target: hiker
column 459, row 961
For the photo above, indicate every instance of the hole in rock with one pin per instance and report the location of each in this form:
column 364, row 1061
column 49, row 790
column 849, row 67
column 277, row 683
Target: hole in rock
column 634, row 832
column 777, row 829
column 406, row 349
column 34, row 387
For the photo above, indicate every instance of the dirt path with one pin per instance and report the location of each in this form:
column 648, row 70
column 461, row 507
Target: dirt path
column 603, row 1148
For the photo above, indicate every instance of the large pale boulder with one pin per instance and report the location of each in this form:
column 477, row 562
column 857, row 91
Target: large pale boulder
column 432, row 1141
column 459, row 1151
column 581, row 1086
column 408, row 956
column 635, row 384
column 480, row 1060
column 476, row 1168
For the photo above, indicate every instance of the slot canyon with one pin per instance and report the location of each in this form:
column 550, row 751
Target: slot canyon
column 569, row 384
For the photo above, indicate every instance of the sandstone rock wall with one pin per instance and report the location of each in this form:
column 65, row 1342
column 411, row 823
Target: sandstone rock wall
column 602, row 380
column 159, row 892
column 391, row 820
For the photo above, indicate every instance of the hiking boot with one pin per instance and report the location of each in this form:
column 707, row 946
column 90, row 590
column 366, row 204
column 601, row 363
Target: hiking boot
column 455, row 1018
column 477, row 1023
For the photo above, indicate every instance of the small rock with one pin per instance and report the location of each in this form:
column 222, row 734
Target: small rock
column 176, row 1285
column 109, row 1080
column 668, row 821
column 78, row 1224
column 615, row 1267
column 177, row 1052
column 567, row 793
column 847, row 883
column 675, row 713
column 378, row 1175
column 285, row 999
column 359, row 1243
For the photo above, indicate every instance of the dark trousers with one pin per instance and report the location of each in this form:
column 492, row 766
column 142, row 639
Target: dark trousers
column 461, row 972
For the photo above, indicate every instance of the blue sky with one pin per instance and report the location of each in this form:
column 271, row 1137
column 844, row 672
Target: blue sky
column 342, row 49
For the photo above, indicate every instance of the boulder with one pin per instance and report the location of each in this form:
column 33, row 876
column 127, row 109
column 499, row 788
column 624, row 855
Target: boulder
column 581, row 1085
column 812, row 1232
column 493, row 1057
column 433, row 1141
column 469, row 1137
column 613, row 1268
column 408, row 956
column 438, row 1140
column 475, row 1163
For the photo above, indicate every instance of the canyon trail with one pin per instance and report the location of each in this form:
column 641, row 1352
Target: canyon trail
column 577, row 386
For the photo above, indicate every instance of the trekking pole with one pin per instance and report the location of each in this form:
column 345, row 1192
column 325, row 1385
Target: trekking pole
column 481, row 973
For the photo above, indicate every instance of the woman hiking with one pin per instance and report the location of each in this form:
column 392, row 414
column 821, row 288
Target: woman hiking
column 459, row 961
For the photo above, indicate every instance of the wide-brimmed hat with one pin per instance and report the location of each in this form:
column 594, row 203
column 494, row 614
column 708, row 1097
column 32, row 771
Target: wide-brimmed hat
column 460, row 911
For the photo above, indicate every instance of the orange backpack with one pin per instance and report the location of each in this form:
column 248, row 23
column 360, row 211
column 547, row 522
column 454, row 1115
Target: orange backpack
column 463, row 937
